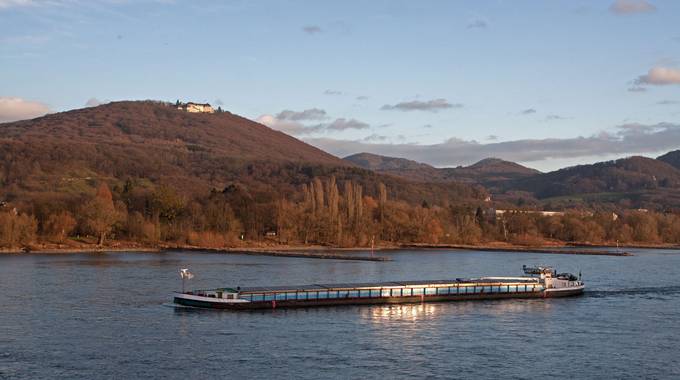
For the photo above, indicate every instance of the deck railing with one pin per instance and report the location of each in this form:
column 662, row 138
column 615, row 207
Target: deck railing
column 304, row 295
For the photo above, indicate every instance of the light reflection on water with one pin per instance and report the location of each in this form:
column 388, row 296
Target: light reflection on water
column 429, row 310
column 400, row 312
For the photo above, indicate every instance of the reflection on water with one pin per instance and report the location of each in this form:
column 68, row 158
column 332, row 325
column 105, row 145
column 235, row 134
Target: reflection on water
column 400, row 312
column 418, row 312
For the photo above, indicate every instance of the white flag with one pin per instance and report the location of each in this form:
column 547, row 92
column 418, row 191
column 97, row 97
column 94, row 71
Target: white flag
column 185, row 274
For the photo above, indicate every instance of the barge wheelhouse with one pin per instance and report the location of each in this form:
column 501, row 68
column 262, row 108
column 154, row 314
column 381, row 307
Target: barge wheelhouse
column 543, row 282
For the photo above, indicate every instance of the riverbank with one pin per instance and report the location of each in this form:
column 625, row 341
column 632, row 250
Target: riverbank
column 82, row 249
column 342, row 253
column 564, row 250
column 315, row 254
column 309, row 251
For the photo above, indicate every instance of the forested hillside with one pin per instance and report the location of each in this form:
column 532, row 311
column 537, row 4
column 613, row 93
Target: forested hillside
column 671, row 158
column 624, row 175
column 145, row 171
column 489, row 171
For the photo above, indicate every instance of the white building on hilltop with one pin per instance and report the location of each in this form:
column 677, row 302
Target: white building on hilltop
column 196, row 107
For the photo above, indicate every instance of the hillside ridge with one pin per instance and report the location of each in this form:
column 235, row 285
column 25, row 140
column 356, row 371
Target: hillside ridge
column 143, row 122
column 629, row 174
column 484, row 172
column 672, row 158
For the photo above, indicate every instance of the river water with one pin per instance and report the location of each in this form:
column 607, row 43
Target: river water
column 86, row 316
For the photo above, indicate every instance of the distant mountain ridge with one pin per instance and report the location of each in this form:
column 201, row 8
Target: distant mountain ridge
column 395, row 166
column 641, row 181
column 497, row 165
column 490, row 171
column 377, row 162
column 671, row 158
column 486, row 171
column 624, row 175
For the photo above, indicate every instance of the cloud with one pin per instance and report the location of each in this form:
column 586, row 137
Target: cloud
column 93, row 102
column 556, row 117
column 624, row 139
column 27, row 39
column 312, row 29
column 492, row 137
column 375, row 137
column 636, row 89
column 342, row 124
column 477, row 24
column 362, row 97
column 667, row 102
column 293, row 123
column 13, row 109
column 528, row 111
column 308, row 114
column 636, row 129
column 433, row 105
column 6, row 4
column 625, row 7
column 332, row 92
column 659, row 76
column 15, row 3
column 286, row 126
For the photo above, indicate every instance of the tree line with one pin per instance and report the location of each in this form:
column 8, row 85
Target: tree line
column 321, row 212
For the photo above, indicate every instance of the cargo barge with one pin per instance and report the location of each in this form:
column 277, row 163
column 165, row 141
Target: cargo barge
column 541, row 282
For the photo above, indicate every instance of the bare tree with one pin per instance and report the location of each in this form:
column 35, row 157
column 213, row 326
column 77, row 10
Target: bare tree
column 100, row 214
column 58, row 226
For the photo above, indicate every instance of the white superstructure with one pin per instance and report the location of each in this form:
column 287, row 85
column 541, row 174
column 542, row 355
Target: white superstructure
column 555, row 282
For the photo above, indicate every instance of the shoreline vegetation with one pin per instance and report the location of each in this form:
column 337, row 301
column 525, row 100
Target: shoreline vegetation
column 322, row 223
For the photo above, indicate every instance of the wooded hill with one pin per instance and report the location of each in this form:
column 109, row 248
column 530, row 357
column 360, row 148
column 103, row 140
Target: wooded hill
column 487, row 172
column 671, row 158
column 167, row 174
column 624, row 175
column 152, row 143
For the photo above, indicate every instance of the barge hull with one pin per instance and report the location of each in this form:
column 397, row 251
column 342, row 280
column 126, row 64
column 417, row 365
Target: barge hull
column 370, row 301
column 552, row 293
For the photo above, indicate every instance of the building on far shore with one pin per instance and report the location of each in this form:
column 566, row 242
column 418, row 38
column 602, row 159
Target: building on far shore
column 501, row 213
column 196, row 107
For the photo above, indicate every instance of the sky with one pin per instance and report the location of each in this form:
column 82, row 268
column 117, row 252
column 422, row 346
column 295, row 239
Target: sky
column 544, row 83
